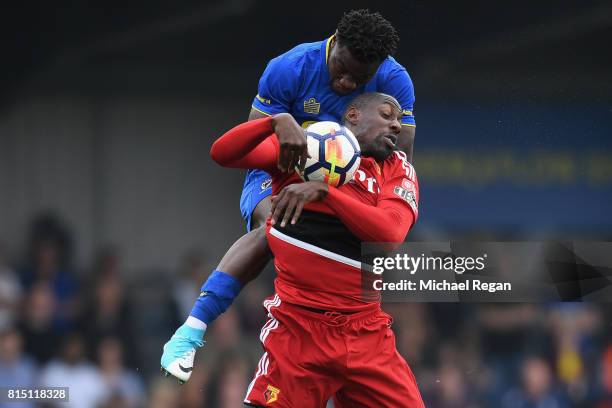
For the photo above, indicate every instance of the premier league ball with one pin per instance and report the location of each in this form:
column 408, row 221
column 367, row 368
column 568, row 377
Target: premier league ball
column 334, row 154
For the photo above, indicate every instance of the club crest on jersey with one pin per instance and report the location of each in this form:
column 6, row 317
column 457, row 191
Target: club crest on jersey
column 312, row 106
column 271, row 394
column 407, row 184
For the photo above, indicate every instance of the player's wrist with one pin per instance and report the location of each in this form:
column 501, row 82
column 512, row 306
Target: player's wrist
column 280, row 119
column 322, row 188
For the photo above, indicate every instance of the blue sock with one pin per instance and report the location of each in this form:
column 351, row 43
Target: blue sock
column 217, row 294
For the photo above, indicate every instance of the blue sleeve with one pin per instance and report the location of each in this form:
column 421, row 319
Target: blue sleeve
column 399, row 85
column 277, row 87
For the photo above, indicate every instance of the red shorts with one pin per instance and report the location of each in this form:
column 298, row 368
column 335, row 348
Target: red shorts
column 310, row 357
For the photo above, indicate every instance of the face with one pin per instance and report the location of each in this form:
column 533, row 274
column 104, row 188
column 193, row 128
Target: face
column 376, row 126
column 347, row 73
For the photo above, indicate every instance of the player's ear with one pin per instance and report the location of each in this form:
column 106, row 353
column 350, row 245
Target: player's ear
column 352, row 115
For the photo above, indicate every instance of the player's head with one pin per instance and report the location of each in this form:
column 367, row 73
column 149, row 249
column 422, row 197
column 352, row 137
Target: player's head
column 375, row 119
column 362, row 41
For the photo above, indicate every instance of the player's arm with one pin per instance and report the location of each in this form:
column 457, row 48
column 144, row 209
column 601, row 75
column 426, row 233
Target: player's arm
column 254, row 115
column 388, row 221
column 396, row 209
column 247, row 146
column 405, row 140
column 275, row 94
column 266, row 144
column 399, row 84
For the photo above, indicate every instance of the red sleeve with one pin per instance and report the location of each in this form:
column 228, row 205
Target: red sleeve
column 393, row 215
column 250, row 145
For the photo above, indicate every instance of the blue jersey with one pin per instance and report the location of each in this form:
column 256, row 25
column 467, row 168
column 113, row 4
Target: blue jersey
column 298, row 82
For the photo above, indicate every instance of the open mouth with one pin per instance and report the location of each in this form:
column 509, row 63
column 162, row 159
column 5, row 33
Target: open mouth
column 390, row 140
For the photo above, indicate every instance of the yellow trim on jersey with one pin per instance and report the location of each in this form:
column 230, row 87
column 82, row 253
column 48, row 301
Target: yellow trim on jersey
column 327, row 48
column 260, row 111
column 408, row 124
column 263, row 100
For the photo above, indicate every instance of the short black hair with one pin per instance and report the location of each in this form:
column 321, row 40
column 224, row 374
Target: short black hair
column 365, row 99
column 368, row 36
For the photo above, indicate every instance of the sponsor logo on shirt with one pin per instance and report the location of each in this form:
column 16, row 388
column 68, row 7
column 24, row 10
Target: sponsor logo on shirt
column 271, row 394
column 266, row 184
column 408, row 196
column 312, row 106
column 407, row 112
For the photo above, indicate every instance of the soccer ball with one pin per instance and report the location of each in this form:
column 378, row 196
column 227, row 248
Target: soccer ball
column 334, row 154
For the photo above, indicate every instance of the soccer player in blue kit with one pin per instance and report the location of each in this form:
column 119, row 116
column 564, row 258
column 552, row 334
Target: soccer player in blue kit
column 313, row 82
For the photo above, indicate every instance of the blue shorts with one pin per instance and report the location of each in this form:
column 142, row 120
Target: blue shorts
column 257, row 186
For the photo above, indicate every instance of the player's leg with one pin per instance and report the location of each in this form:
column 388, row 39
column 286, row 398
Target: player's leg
column 261, row 213
column 247, row 257
column 377, row 376
column 250, row 254
column 292, row 371
column 242, row 263
column 255, row 198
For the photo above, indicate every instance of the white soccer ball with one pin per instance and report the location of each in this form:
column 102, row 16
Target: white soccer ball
column 334, row 154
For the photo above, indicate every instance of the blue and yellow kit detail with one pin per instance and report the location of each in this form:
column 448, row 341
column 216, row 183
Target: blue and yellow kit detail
column 298, row 82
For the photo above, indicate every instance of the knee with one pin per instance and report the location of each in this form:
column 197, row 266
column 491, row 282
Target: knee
column 258, row 223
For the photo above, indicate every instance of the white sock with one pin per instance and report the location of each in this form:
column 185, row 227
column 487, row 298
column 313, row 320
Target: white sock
column 195, row 323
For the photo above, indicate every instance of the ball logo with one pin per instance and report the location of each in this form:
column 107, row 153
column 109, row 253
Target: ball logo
column 333, row 155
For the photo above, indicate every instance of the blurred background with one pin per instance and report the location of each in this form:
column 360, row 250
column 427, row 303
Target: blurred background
column 112, row 213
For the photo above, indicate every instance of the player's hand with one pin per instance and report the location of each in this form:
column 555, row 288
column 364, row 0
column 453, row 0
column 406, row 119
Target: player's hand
column 289, row 203
column 292, row 139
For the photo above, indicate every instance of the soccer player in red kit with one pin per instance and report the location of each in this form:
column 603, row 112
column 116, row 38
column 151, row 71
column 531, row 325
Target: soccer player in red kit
column 323, row 338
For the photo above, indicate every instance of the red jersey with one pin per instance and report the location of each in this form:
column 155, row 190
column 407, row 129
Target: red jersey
column 318, row 259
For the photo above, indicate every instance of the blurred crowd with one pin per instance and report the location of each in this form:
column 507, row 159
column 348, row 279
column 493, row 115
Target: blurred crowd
column 99, row 331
